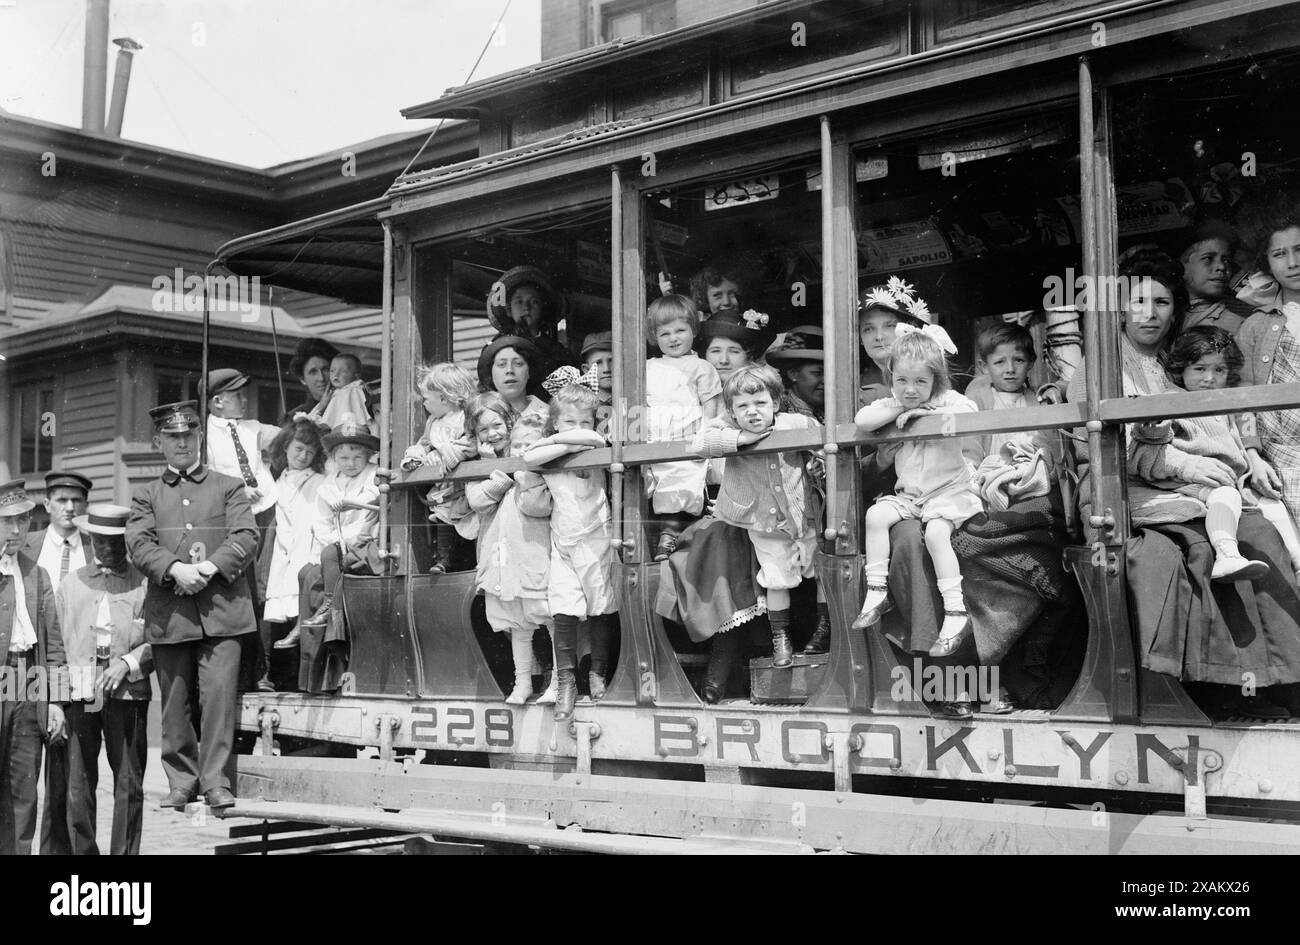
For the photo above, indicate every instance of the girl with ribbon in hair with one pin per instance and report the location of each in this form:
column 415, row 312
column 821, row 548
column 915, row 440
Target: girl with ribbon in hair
column 581, row 584
column 682, row 389
column 935, row 479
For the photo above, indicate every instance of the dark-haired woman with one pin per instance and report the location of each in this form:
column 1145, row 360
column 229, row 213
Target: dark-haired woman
column 1187, row 626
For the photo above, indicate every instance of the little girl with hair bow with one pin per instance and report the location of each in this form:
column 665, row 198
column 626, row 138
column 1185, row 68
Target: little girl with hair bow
column 935, row 479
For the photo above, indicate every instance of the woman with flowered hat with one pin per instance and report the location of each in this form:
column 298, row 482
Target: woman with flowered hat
column 525, row 302
column 880, row 310
column 730, row 340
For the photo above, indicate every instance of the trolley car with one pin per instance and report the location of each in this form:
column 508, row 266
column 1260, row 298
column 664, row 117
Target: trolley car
column 976, row 149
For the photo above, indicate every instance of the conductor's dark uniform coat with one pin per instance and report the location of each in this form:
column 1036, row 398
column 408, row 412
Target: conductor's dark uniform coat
column 187, row 518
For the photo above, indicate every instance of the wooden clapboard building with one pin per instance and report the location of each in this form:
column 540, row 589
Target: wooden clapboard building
column 97, row 239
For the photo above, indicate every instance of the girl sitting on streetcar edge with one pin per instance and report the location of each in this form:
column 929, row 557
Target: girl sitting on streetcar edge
column 514, row 540
column 444, row 389
column 676, row 489
column 771, row 496
column 1206, row 358
column 935, row 480
column 581, row 586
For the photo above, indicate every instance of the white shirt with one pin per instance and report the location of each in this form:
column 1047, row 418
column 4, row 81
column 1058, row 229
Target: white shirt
column 24, row 634
column 51, row 555
column 223, row 458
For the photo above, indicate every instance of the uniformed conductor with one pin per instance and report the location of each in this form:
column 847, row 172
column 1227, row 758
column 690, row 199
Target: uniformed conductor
column 193, row 535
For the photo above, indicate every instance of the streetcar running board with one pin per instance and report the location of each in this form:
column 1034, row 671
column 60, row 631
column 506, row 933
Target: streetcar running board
column 605, row 814
column 540, row 834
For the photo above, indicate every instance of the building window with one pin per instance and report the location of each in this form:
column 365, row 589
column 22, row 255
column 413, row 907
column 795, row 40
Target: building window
column 624, row 20
column 174, row 386
column 267, row 404
column 35, row 424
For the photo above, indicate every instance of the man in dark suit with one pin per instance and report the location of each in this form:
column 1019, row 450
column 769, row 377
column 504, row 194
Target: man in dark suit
column 34, row 676
column 60, row 549
column 191, row 532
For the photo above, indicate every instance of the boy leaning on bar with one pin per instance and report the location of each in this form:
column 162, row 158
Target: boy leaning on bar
column 192, row 532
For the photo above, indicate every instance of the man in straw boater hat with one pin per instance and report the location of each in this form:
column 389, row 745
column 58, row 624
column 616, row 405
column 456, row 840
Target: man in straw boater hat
column 191, row 531
column 109, row 662
column 34, row 681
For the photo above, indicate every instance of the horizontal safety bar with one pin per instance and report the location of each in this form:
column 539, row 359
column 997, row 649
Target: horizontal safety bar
column 1262, row 398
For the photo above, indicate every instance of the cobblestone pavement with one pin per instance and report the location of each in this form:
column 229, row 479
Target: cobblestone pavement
column 165, row 831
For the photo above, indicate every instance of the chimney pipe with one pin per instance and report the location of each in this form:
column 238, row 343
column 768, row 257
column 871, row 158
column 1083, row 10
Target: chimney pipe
column 127, row 48
column 94, row 82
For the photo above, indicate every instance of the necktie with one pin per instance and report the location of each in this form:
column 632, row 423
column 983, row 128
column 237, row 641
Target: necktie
column 245, row 469
column 65, row 560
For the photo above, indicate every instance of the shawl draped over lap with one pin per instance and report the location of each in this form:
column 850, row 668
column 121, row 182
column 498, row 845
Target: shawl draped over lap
column 708, row 584
column 1012, row 577
column 1187, row 627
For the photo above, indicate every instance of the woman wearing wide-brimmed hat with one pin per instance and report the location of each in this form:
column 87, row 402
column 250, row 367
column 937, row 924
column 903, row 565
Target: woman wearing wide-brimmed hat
column 526, row 303
column 801, row 359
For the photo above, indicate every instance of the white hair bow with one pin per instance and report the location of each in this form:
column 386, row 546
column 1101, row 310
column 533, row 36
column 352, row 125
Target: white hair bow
column 935, row 333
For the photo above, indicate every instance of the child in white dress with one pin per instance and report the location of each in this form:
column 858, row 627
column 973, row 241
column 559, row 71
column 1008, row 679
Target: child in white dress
column 514, row 551
column 345, row 403
column 675, row 411
column 298, row 449
column 935, row 480
column 582, row 558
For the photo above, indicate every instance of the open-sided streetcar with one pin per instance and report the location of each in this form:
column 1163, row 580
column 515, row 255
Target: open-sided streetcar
column 998, row 155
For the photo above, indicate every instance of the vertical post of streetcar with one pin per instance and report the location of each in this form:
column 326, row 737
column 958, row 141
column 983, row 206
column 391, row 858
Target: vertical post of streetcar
column 386, row 390
column 618, row 417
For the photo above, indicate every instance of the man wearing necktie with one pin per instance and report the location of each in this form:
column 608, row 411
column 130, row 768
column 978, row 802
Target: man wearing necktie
column 60, row 549
column 34, row 667
column 234, row 448
column 192, row 533
column 109, row 662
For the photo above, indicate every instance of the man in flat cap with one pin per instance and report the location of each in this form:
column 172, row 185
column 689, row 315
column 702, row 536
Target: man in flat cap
column 192, row 533
column 34, row 671
column 100, row 610
column 60, row 549
column 235, row 445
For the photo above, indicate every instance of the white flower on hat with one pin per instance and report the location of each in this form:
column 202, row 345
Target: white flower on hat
column 918, row 309
column 898, row 288
column 755, row 320
column 881, row 296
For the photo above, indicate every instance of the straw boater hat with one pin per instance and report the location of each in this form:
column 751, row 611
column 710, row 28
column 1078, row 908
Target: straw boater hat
column 498, row 300
column 750, row 330
column 103, row 519
column 346, row 433
column 801, row 344
column 898, row 297
column 14, row 500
